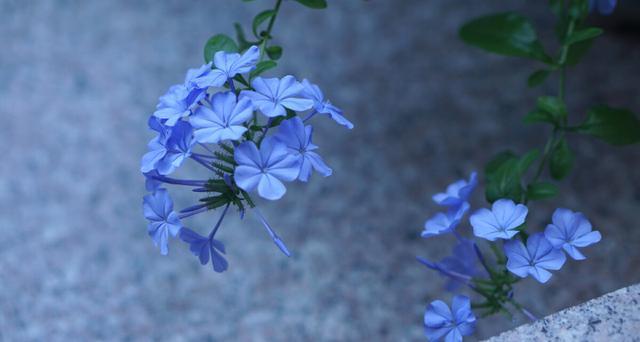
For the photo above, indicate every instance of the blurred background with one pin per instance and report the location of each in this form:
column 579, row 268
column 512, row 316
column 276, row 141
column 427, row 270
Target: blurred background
column 78, row 80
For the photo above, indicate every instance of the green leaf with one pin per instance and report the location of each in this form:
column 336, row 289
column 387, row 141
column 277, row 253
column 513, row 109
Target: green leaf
column 577, row 51
column 259, row 19
column 578, row 9
column 219, row 42
column 316, row 4
column 561, row 160
column 274, row 52
column 243, row 44
column 262, row 67
column 539, row 116
column 584, row 34
column 541, row 190
column 552, row 105
column 537, row 77
column 615, row 126
column 497, row 161
column 525, row 161
column 507, row 34
column 504, row 182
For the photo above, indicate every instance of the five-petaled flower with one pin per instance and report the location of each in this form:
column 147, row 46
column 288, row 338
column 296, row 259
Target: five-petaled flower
column 265, row 169
column 441, row 322
column 297, row 137
column 457, row 193
column 203, row 247
column 158, row 209
column 223, row 121
column 228, row 65
column 272, row 96
column 177, row 103
column 501, row 222
column 570, row 230
column 322, row 106
column 605, row 7
column 535, row 259
column 442, row 223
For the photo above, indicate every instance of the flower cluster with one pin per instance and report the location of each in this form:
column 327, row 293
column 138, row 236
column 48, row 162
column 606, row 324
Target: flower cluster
column 244, row 129
column 517, row 256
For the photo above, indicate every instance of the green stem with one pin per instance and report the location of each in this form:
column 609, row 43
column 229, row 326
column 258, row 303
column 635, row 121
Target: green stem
column 267, row 36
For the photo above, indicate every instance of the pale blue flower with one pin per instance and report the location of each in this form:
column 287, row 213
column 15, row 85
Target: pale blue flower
column 322, row 106
column 443, row 223
column 501, row 222
column 443, row 323
column 297, row 137
column 158, row 209
column 265, row 169
column 457, row 192
column 178, row 148
column 223, row 121
column 274, row 96
column 570, row 230
column 157, row 146
column 535, row 259
column 203, row 247
column 605, row 7
column 227, row 66
column 177, row 103
column 459, row 267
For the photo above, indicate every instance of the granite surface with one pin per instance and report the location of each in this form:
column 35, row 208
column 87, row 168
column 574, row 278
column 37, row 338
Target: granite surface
column 612, row 317
column 78, row 80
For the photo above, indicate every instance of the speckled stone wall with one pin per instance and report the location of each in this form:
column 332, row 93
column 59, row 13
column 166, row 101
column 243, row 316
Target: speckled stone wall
column 78, row 80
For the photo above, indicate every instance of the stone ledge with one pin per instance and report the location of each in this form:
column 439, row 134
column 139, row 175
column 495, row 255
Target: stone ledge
column 612, row 317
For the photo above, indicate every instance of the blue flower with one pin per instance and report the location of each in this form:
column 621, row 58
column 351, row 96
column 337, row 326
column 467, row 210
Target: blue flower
column 273, row 96
column 444, row 222
column 158, row 209
column 570, row 230
column 203, row 247
column 441, row 322
column 157, row 146
column 193, row 75
column 500, row 222
column 535, row 259
column 459, row 267
column 457, row 192
column 265, row 169
column 223, row 121
column 297, row 137
column 178, row 148
column 177, row 103
column 605, row 7
column 228, row 65
column 313, row 92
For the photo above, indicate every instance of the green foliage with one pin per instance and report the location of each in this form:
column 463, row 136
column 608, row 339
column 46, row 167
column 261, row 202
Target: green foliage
column 615, row 126
column 262, row 67
column 549, row 109
column 259, row 19
column 219, row 42
column 537, row 77
column 561, row 160
column 507, row 34
column 541, row 190
column 315, row 4
column 504, row 175
column 588, row 33
column 274, row 52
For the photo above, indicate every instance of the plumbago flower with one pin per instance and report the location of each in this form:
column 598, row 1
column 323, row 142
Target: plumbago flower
column 535, row 259
column 450, row 324
column 221, row 118
column 501, row 222
column 570, row 230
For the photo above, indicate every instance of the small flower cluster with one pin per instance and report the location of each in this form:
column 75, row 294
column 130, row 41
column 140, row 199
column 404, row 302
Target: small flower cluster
column 521, row 255
column 214, row 118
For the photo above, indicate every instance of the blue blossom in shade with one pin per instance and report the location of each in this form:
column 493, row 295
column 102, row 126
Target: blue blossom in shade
column 150, row 183
column 273, row 96
column 443, row 223
column 605, row 7
column 322, row 106
column 265, row 169
column 297, row 137
column 463, row 260
column 178, row 148
column 177, row 103
column 457, row 192
column 441, row 322
column 190, row 80
column 223, row 121
column 501, row 222
column 203, row 247
column 535, row 259
column 157, row 146
column 570, row 230
column 158, row 209
column 228, row 65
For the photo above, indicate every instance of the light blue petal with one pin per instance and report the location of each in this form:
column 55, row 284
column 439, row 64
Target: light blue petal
column 271, row 188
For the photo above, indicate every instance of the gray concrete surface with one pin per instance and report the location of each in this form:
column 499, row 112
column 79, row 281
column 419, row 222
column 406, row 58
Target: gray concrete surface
column 612, row 317
column 79, row 78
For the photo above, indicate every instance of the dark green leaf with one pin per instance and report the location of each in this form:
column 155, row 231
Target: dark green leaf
column 538, row 77
column 541, row 190
column 262, row 67
column 504, row 182
column 615, row 126
column 497, row 161
column 561, row 160
column 259, row 19
column 539, row 116
column 506, row 34
column 219, row 42
column 578, row 9
column 553, row 106
column 556, row 7
column 525, row 161
column 243, row 44
column 577, row 51
column 317, row 4
column 584, row 34
column 274, row 52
